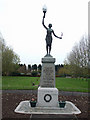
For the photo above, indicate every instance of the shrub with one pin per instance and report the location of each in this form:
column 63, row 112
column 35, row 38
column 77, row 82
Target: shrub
column 34, row 73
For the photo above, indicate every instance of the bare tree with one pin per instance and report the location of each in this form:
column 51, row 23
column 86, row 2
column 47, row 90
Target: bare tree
column 78, row 59
column 89, row 51
column 10, row 59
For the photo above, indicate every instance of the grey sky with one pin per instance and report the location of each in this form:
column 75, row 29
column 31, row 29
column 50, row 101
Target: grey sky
column 21, row 26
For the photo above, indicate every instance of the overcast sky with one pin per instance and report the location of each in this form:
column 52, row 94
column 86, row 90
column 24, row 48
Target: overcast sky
column 21, row 27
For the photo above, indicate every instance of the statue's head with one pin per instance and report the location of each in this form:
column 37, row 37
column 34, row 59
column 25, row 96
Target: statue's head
column 50, row 25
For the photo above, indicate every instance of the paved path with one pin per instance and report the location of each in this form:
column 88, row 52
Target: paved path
column 65, row 93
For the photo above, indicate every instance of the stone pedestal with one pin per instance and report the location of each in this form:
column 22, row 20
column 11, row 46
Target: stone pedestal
column 47, row 93
column 47, row 97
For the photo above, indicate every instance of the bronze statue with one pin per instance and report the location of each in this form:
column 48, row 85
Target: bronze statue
column 49, row 35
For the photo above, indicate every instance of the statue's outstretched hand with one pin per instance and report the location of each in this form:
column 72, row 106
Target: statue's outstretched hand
column 60, row 37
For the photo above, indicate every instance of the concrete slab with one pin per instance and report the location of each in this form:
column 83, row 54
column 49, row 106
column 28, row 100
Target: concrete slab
column 25, row 108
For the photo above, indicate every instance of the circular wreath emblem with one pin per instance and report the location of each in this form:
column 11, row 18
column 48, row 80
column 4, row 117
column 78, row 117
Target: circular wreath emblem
column 47, row 97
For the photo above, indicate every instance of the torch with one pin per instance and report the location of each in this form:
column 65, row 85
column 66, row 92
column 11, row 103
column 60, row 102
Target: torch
column 44, row 10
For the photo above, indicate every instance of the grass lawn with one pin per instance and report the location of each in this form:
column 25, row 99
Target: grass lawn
column 72, row 84
column 65, row 84
column 19, row 82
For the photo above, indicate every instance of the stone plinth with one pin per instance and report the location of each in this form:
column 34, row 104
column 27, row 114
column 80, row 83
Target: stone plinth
column 47, row 93
column 48, row 72
column 47, row 97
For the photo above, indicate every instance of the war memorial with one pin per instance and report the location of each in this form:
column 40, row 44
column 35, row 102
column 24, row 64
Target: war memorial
column 47, row 94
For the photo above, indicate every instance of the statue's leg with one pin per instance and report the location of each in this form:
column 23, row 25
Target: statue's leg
column 47, row 48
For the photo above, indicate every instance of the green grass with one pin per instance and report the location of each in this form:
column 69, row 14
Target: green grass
column 72, row 84
column 19, row 82
column 65, row 84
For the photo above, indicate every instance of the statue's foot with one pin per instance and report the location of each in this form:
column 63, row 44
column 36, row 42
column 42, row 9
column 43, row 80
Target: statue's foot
column 48, row 55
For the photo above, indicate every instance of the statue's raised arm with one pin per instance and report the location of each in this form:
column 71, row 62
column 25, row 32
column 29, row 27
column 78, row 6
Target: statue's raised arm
column 43, row 22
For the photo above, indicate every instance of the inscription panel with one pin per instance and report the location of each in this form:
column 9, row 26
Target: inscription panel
column 48, row 75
